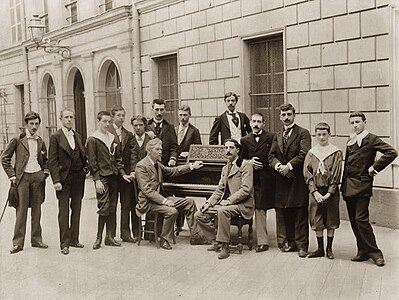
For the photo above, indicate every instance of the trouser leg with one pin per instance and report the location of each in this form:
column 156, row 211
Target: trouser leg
column 76, row 205
column 21, row 211
column 205, row 222
column 36, row 191
column 261, row 227
column 188, row 208
column 169, row 218
column 280, row 227
column 301, row 227
column 351, row 207
column 225, row 213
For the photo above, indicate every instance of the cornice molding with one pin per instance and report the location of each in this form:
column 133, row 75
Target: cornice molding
column 148, row 5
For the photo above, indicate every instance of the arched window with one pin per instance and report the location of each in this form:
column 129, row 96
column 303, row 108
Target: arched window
column 51, row 109
column 112, row 87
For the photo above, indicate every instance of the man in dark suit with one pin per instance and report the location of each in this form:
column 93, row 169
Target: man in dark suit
column 165, row 132
column 234, row 196
column 68, row 165
column 125, row 189
column 149, row 174
column 230, row 124
column 256, row 147
column 187, row 133
column 29, row 174
column 287, row 156
column 357, row 184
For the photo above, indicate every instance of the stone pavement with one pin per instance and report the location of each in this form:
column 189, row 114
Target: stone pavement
column 186, row 272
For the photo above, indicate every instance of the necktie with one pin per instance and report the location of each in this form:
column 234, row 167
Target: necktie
column 256, row 137
column 181, row 135
column 157, row 128
column 234, row 119
column 286, row 136
column 227, row 189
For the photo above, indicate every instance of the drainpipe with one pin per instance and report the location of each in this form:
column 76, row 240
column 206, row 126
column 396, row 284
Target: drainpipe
column 27, row 76
column 137, row 86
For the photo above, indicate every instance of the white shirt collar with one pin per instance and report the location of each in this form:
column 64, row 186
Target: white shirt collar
column 289, row 127
column 231, row 112
column 30, row 136
column 140, row 137
column 67, row 131
column 358, row 138
column 184, row 126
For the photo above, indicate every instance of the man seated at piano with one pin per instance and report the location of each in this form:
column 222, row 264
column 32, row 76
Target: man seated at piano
column 149, row 175
column 234, row 196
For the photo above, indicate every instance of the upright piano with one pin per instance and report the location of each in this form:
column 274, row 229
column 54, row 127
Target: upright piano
column 201, row 182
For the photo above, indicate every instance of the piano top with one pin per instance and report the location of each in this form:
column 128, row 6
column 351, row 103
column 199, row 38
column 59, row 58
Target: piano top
column 207, row 153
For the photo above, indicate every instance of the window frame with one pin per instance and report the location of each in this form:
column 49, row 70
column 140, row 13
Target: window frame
column 72, row 18
column 51, row 107
column 17, row 35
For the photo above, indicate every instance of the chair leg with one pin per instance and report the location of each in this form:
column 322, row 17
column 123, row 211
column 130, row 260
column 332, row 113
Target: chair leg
column 250, row 236
column 239, row 235
column 140, row 231
column 156, row 230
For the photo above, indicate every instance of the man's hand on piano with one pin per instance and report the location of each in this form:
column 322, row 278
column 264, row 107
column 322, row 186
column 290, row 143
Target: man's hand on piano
column 225, row 202
column 196, row 165
column 172, row 162
column 205, row 207
column 169, row 202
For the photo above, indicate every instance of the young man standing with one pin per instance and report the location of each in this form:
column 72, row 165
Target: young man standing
column 357, row 184
column 187, row 134
column 287, row 156
column 230, row 124
column 105, row 164
column 125, row 189
column 68, row 166
column 256, row 147
column 29, row 175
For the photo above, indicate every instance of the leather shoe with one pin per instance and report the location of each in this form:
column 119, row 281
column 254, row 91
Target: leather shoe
column 225, row 252
column 329, row 254
column 129, row 239
column 112, row 242
column 262, row 248
column 215, row 247
column 16, row 249
column 65, row 250
column 165, row 244
column 292, row 248
column 317, row 253
column 97, row 244
column 281, row 247
column 196, row 239
column 360, row 257
column 40, row 245
column 302, row 253
column 76, row 245
column 379, row 261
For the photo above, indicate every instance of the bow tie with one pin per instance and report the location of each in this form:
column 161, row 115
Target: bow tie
column 256, row 135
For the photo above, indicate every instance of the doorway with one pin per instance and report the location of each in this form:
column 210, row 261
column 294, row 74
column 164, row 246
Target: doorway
column 80, row 106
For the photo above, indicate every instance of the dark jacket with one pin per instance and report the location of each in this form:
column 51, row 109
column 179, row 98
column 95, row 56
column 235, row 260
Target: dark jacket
column 192, row 137
column 126, row 149
column 356, row 181
column 19, row 146
column 221, row 125
column 139, row 152
column 60, row 155
column 291, row 192
column 265, row 178
column 168, row 138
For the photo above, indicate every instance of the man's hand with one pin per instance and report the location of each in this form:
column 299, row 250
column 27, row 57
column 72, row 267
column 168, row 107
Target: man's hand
column 133, row 175
column 172, row 162
column 284, row 170
column 256, row 163
column 57, row 186
column 126, row 178
column 326, row 196
column 205, row 207
column 13, row 180
column 318, row 197
column 150, row 134
column 100, row 189
column 169, row 202
column 225, row 202
column 197, row 164
column 372, row 171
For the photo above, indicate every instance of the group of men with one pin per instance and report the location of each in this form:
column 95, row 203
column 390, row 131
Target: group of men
column 264, row 171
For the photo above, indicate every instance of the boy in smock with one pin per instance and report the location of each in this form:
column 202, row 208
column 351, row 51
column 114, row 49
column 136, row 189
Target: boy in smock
column 322, row 173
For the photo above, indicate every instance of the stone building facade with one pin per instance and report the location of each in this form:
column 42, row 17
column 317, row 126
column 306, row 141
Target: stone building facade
column 326, row 57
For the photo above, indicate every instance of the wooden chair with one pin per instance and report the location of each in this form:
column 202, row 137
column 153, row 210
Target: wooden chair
column 239, row 221
column 149, row 225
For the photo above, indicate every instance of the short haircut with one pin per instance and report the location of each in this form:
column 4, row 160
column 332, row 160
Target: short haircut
column 158, row 101
column 258, row 114
column 358, row 114
column 103, row 113
column 236, row 144
column 186, row 108
column 66, row 109
column 152, row 143
column 322, row 126
column 229, row 94
column 286, row 107
column 32, row 116
column 116, row 108
column 138, row 118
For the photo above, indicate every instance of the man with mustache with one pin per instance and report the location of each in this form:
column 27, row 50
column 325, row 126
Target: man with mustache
column 230, row 124
column 287, row 156
column 234, row 196
column 255, row 148
column 29, row 175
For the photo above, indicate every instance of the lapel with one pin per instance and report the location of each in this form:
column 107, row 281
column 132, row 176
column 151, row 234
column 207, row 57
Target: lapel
column 39, row 148
column 293, row 136
column 234, row 169
column 64, row 142
column 125, row 136
column 280, row 141
column 24, row 142
column 241, row 116
column 163, row 128
column 189, row 133
column 78, row 141
column 225, row 121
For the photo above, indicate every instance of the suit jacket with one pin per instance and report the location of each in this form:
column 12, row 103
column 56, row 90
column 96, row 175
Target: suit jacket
column 240, row 183
column 265, row 178
column 19, row 146
column 126, row 149
column 168, row 138
column 150, row 181
column 192, row 137
column 60, row 155
column 221, row 124
column 356, row 181
column 139, row 152
column 291, row 192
